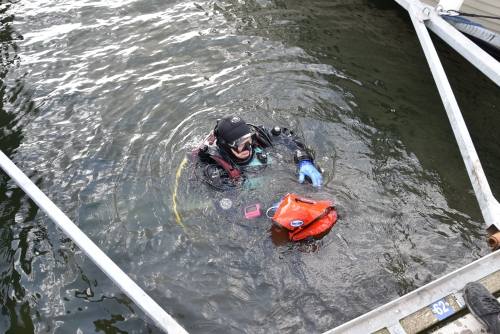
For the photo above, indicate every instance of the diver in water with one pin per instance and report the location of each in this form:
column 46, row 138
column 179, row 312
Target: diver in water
column 236, row 151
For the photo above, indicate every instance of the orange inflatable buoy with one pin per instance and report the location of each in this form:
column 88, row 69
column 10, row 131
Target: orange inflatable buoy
column 304, row 217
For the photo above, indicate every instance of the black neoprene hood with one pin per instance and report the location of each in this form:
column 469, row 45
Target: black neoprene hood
column 230, row 128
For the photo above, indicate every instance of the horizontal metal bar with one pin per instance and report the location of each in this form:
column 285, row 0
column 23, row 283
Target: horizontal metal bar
column 125, row 283
column 463, row 45
column 468, row 49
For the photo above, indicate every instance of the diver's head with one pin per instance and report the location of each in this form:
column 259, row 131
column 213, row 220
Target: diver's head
column 234, row 137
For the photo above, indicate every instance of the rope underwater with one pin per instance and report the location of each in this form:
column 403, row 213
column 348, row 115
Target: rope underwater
column 174, row 196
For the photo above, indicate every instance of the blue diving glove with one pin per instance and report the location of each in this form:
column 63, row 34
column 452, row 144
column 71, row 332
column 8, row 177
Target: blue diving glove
column 306, row 168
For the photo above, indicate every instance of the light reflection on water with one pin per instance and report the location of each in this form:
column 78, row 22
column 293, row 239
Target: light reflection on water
column 107, row 98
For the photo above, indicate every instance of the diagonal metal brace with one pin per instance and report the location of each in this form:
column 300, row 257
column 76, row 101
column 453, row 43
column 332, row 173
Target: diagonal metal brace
column 490, row 207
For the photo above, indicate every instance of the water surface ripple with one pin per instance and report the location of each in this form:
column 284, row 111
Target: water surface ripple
column 102, row 101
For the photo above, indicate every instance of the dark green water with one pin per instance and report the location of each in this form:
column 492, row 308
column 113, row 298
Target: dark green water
column 102, row 100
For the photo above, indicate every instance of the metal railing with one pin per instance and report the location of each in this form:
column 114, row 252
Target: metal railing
column 388, row 316
column 161, row 319
column 424, row 16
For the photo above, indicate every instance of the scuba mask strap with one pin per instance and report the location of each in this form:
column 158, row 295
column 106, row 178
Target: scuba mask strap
column 216, row 131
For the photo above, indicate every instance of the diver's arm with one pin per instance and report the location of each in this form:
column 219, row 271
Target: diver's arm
column 301, row 155
column 286, row 137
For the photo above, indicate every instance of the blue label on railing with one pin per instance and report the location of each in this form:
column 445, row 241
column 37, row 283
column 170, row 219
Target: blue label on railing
column 441, row 309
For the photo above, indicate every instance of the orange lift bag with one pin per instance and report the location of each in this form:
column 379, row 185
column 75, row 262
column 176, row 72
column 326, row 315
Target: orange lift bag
column 304, row 217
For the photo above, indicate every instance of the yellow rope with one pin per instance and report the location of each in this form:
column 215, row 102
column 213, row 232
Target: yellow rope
column 177, row 176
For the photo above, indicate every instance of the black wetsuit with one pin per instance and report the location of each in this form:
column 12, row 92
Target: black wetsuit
column 219, row 171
